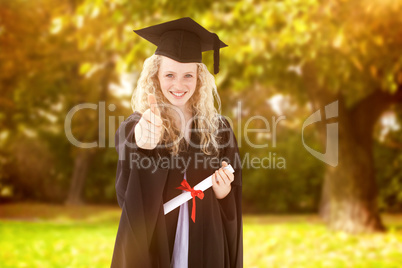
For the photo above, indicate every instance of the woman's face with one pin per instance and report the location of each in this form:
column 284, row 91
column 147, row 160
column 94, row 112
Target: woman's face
column 177, row 80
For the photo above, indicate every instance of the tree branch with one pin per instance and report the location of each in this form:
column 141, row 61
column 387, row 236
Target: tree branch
column 366, row 112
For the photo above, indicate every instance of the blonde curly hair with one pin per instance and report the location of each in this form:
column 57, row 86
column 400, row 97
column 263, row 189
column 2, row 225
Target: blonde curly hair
column 201, row 104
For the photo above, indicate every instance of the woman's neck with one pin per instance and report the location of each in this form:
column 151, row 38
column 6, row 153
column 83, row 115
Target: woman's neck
column 187, row 113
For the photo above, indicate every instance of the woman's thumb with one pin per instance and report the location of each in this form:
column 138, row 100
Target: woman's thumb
column 153, row 104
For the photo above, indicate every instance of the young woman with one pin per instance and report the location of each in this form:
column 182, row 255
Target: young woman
column 177, row 137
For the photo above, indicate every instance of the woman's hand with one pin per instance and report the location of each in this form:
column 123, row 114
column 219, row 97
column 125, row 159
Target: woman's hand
column 221, row 181
column 148, row 130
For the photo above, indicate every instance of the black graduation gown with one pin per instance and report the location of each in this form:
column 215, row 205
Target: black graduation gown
column 143, row 184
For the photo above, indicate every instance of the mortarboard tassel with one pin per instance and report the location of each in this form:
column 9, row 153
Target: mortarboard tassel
column 216, row 53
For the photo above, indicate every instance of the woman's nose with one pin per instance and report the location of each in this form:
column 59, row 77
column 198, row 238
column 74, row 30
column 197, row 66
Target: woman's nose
column 178, row 84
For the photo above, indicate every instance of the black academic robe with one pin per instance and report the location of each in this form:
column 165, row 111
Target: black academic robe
column 145, row 181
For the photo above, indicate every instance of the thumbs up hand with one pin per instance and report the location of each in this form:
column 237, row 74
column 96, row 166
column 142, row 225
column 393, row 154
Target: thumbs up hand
column 149, row 129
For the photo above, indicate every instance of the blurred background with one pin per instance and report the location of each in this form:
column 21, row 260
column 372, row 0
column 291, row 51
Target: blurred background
column 285, row 61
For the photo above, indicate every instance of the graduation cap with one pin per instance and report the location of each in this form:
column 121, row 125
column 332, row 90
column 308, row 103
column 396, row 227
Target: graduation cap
column 183, row 40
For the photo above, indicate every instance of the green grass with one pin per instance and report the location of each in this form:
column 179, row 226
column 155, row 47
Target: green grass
column 302, row 243
column 56, row 236
column 37, row 244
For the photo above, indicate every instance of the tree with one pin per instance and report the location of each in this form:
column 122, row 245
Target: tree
column 345, row 51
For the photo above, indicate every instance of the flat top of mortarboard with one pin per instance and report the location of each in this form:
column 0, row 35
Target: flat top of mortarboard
column 156, row 34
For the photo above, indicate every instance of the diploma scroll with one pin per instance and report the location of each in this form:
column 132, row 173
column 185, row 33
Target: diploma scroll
column 184, row 197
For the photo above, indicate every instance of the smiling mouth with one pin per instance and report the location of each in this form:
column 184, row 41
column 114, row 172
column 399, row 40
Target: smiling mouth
column 178, row 94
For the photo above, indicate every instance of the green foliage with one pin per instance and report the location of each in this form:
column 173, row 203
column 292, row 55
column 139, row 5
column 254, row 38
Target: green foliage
column 100, row 185
column 387, row 149
column 353, row 45
column 294, row 187
column 389, row 178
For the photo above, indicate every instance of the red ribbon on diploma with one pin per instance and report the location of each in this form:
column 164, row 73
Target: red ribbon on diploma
column 200, row 194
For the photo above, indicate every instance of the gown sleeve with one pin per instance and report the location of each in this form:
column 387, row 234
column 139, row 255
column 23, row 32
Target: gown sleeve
column 139, row 192
column 127, row 149
column 230, row 206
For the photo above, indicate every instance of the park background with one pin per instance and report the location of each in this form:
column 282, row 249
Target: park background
column 286, row 58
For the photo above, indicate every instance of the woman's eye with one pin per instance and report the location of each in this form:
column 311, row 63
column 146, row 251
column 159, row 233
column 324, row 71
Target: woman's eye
column 169, row 75
column 188, row 76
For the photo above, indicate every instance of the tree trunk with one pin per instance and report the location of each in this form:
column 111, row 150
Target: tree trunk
column 349, row 193
column 83, row 159
column 81, row 164
column 348, row 200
